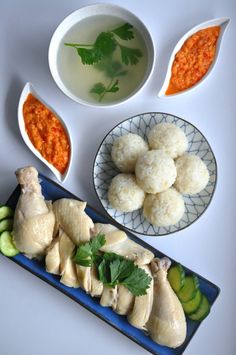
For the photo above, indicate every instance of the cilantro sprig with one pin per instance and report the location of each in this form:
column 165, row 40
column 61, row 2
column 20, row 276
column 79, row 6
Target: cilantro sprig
column 101, row 52
column 112, row 268
column 87, row 253
column 112, row 70
column 105, row 44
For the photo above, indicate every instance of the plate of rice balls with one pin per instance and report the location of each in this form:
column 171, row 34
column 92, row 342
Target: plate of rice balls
column 155, row 173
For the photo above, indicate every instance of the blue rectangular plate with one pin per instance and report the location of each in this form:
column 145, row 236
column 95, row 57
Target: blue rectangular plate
column 53, row 191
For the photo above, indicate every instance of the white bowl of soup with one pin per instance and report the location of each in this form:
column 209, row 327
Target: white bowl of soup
column 101, row 55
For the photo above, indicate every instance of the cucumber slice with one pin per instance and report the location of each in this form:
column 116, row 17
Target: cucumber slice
column 202, row 311
column 6, row 244
column 192, row 305
column 176, row 277
column 6, row 225
column 5, row 212
column 189, row 290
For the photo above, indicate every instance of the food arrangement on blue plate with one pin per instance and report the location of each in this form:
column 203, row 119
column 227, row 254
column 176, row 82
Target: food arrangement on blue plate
column 103, row 261
column 154, row 173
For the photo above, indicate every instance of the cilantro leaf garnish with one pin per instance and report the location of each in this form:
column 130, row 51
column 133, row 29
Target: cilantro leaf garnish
column 114, row 87
column 137, row 282
column 98, row 89
column 105, row 44
column 101, row 90
column 124, row 31
column 112, row 268
column 130, row 55
column 115, row 270
column 89, row 56
column 97, row 242
column 86, row 253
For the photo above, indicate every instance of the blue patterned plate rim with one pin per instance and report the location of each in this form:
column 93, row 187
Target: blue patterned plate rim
column 54, row 191
column 154, row 113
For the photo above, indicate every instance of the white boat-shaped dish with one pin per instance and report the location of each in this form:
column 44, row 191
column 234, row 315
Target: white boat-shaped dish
column 223, row 23
column 29, row 89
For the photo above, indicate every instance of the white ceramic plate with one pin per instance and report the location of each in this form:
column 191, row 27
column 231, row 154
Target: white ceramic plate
column 223, row 23
column 105, row 170
column 28, row 89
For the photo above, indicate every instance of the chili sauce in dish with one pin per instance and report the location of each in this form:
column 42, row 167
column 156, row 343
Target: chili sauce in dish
column 193, row 60
column 46, row 133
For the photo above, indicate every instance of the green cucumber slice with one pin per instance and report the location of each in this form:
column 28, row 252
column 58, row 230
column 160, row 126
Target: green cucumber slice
column 6, row 225
column 5, row 212
column 202, row 311
column 189, row 289
column 6, row 245
column 192, row 305
column 176, row 277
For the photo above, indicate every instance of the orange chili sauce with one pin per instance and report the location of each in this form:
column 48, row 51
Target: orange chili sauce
column 46, row 133
column 193, row 60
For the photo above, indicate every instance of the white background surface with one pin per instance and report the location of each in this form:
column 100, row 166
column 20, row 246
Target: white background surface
column 36, row 319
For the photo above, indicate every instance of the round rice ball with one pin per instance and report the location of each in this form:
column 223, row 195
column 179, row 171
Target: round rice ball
column 168, row 137
column 155, row 171
column 165, row 208
column 125, row 151
column 192, row 174
column 124, row 194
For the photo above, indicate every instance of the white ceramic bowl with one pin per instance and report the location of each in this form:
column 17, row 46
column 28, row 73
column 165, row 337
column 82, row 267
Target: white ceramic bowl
column 223, row 23
column 28, row 89
column 80, row 15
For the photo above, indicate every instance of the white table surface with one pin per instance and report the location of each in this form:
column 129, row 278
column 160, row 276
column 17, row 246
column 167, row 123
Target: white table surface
column 36, row 319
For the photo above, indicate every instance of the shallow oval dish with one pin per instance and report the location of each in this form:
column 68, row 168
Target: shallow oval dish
column 29, row 89
column 85, row 13
column 104, row 170
column 223, row 23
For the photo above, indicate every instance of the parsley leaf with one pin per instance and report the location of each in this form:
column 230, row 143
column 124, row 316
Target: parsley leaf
column 101, row 90
column 89, row 56
column 98, row 89
column 120, row 269
column 86, row 253
column 130, row 55
column 137, row 282
column 114, row 87
column 111, row 68
column 105, row 44
column 114, row 270
column 124, row 31
column 103, row 272
column 97, row 242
